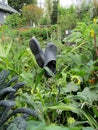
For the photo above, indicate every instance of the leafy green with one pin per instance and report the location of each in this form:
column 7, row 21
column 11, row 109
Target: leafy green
column 90, row 94
column 54, row 127
column 35, row 125
column 88, row 128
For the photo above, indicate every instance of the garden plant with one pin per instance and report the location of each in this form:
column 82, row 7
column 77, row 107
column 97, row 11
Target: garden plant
column 68, row 99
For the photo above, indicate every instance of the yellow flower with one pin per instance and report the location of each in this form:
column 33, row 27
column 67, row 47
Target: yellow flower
column 92, row 33
column 76, row 79
column 95, row 20
column 70, row 120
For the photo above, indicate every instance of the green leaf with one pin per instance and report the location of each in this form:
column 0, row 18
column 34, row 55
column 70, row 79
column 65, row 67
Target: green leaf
column 76, row 58
column 27, row 77
column 75, row 128
column 54, row 127
column 49, row 71
column 8, row 48
column 95, row 111
column 73, row 37
column 39, row 77
column 35, row 125
column 88, row 128
column 62, row 107
column 71, row 87
column 93, row 123
column 89, row 94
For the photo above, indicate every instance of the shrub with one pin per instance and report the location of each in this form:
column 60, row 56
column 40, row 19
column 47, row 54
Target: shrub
column 40, row 32
column 14, row 20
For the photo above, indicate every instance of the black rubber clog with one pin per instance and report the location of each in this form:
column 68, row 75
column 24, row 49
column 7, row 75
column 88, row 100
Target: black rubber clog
column 37, row 51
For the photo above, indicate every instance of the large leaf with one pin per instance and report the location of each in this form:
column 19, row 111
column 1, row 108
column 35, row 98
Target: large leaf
column 74, row 37
column 88, row 128
column 75, row 58
column 54, row 127
column 71, row 87
column 75, row 128
column 35, row 125
column 89, row 94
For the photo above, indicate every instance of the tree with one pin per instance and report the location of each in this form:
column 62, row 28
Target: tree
column 32, row 13
column 54, row 15
column 49, row 8
column 17, row 4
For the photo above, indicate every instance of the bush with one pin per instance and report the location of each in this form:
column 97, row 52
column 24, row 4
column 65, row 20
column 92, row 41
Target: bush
column 14, row 20
column 40, row 32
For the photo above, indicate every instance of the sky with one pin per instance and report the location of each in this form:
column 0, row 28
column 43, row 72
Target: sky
column 64, row 3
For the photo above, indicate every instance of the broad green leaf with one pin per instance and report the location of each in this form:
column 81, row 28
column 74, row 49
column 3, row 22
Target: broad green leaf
column 76, row 59
column 89, row 94
column 35, row 125
column 73, row 37
column 88, row 128
column 54, row 127
column 71, row 87
column 75, row 128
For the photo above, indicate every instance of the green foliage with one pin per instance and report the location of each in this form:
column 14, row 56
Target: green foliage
column 54, row 15
column 53, row 126
column 42, row 33
column 89, row 95
column 18, row 4
column 45, row 20
column 32, row 14
column 80, row 34
column 67, row 18
column 83, row 11
column 93, row 8
column 48, row 12
column 15, row 20
column 35, row 125
column 69, row 99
